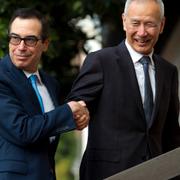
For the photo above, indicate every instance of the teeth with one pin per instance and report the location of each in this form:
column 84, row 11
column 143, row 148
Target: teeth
column 141, row 41
column 22, row 55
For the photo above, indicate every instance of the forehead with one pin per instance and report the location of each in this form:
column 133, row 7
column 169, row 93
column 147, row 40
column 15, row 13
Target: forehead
column 26, row 27
column 144, row 10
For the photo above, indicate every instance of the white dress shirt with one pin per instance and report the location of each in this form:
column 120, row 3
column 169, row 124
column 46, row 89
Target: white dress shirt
column 47, row 101
column 140, row 72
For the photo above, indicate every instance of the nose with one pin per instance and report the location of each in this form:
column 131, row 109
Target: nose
column 142, row 30
column 22, row 45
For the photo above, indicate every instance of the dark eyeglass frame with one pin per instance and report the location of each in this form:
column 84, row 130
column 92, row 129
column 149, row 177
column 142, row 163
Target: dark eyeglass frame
column 30, row 41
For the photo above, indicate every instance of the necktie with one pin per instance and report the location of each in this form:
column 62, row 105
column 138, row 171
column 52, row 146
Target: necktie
column 148, row 95
column 33, row 79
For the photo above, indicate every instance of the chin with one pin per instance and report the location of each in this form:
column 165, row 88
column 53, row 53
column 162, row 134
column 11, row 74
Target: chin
column 143, row 50
column 20, row 65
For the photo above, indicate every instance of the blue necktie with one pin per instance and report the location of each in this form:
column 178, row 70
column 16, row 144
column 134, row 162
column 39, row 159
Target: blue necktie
column 34, row 79
column 148, row 95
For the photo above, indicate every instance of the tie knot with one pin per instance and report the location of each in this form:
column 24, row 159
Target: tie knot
column 145, row 60
column 33, row 78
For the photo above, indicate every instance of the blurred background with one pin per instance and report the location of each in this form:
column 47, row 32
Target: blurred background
column 77, row 28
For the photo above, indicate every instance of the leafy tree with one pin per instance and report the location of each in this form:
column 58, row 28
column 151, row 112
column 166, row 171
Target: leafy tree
column 109, row 13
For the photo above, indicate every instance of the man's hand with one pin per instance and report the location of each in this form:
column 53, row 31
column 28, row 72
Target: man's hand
column 80, row 113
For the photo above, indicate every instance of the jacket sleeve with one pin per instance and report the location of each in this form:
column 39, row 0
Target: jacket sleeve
column 89, row 82
column 171, row 133
column 20, row 126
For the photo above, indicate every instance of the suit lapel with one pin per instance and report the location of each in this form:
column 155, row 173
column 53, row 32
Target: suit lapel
column 159, row 79
column 126, row 61
column 22, row 84
column 130, row 75
column 50, row 87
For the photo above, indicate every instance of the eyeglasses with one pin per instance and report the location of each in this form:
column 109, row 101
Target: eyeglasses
column 30, row 41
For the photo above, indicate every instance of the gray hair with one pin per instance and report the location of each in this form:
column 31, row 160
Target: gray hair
column 160, row 2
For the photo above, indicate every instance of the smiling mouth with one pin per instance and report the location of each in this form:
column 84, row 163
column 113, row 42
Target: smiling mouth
column 21, row 58
column 22, row 55
column 142, row 42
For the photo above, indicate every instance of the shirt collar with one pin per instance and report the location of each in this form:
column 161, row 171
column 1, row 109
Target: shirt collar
column 135, row 56
column 35, row 73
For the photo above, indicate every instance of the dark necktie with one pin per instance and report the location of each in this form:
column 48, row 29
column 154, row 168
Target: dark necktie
column 33, row 78
column 148, row 95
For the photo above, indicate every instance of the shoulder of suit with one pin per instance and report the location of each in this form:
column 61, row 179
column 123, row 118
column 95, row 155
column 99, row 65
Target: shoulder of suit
column 105, row 52
column 45, row 75
column 5, row 62
column 164, row 61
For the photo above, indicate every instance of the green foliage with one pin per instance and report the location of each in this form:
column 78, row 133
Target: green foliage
column 109, row 13
column 3, row 39
column 103, row 7
column 65, row 156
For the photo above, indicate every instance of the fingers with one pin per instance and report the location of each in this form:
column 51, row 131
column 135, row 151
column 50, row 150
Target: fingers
column 82, row 118
column 82, row 103
column 82, row 122
column 80, row 114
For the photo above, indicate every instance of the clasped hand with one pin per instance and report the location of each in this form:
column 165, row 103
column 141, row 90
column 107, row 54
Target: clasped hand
column 80, row 113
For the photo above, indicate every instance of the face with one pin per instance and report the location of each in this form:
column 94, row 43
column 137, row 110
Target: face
column 23, row 56
column 143, row 24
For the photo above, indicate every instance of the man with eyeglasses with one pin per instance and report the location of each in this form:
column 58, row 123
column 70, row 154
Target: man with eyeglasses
column 31, row 117
column 30, row 41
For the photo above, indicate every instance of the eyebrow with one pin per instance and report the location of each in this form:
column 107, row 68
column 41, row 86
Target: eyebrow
column 24, row 36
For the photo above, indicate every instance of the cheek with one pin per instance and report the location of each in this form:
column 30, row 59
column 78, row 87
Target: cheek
column 130, row 33
column 36, row 55
column 154, row 35
column 11, row 48
column 130, row 30
column 12, row 51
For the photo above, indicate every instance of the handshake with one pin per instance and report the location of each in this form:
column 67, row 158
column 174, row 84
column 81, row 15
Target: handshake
column 80, row 113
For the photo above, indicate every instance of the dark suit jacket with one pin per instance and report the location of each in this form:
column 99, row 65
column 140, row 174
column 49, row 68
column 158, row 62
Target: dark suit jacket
column 119, row 137
column 25, row 151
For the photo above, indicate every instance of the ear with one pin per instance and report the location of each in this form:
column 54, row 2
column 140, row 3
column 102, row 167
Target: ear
column 162, row 25
column 124, row 21
column 45, row 45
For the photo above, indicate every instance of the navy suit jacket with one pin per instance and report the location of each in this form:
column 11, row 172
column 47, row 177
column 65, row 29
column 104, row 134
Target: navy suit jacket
column 119, row 136
column 25, row 150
